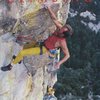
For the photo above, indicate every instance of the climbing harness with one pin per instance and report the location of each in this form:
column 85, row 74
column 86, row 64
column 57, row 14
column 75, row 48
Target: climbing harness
column 41, row 44
column 51, row 65
column 53, row 52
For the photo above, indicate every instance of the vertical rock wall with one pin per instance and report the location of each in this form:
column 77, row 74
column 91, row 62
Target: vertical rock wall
column 28, row 18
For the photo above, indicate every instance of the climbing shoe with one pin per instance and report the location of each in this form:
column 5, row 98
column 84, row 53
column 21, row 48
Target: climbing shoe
column 15, row 57
column 6, row 68
column 50, row 91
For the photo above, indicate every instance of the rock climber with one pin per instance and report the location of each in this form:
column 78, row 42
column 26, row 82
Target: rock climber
column 56, row 40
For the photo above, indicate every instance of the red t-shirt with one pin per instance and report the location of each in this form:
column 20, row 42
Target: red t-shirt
column 51, row 41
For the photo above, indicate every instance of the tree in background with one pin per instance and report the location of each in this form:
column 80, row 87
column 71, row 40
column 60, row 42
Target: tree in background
column 80, row 74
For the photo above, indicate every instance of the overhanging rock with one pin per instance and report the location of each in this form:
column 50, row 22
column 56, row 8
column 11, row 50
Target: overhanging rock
column 29, row 18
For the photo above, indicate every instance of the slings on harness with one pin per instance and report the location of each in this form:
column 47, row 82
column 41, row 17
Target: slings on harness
column 53, row 52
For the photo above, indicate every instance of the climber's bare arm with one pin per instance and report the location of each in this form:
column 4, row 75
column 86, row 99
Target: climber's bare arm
column 54, row 18
column 65, row 50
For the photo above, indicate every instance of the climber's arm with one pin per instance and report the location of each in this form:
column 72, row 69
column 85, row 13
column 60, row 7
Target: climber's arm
column 54, row 18
column 66, row 53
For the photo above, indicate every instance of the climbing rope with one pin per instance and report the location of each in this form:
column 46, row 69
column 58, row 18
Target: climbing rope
column 21, row 37
column 28, row 71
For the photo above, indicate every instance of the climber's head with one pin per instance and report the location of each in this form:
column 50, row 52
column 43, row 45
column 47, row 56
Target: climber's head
column 69, row 31
column 66, row 31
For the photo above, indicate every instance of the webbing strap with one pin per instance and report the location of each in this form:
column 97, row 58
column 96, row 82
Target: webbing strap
column 41, row 44
column 41, row 50
column 51, row 55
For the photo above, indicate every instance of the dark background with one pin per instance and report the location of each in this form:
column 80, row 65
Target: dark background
column 80, row 75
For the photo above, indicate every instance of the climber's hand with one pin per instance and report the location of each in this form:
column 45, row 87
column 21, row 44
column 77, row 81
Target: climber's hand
column 46, row 5
column 65, row 1
column 57, row 66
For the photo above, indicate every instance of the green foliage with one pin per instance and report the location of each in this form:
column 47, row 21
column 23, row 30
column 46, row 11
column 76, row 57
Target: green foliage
column 81, row 73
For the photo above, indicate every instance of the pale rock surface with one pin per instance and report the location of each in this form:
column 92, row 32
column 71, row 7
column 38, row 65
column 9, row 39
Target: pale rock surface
column 33, row 19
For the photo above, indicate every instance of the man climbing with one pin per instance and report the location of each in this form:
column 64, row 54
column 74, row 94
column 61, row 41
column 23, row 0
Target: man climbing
column 56, row 40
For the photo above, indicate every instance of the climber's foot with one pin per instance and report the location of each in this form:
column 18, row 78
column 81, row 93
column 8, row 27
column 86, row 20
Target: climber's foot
column 20, row 62
column 15, row 57
column 6, row 68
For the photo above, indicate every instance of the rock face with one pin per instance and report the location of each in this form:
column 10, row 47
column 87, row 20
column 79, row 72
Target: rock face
column 29, row 19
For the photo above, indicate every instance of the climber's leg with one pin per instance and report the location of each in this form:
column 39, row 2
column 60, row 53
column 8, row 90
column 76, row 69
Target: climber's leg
column 27, row 46
column 27, row 52
column 30, row 45
column 22, row 53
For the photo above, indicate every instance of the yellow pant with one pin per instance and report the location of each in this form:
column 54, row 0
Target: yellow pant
column 27, row 52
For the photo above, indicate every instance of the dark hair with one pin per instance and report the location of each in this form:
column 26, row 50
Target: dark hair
column 66, row 34
column 70, row 30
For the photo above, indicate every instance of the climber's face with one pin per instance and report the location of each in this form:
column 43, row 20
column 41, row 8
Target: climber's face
column 61, row 31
